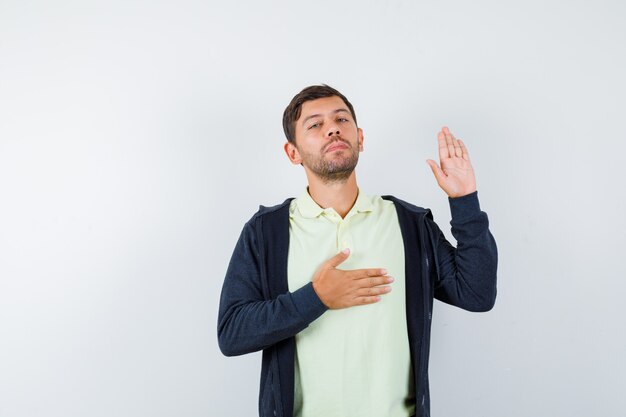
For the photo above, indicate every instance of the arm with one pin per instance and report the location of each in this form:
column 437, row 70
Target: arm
column 466, row 275
column 248, row 321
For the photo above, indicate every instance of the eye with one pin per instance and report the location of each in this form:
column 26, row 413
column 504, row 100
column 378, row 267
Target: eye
column 343, row 119
column 314, row 125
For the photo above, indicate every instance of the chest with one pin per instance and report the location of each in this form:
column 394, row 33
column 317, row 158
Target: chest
column 375, row 241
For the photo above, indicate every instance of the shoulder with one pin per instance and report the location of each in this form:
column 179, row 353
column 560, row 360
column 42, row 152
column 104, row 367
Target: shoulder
column 404, row 205
column 275, row 211
column 264, row 210
column 266, row 217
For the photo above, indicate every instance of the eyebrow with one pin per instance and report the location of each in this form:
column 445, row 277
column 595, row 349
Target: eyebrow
column 318, row 115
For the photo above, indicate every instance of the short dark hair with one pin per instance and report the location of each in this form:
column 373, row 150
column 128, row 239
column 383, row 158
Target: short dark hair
column 294, row 109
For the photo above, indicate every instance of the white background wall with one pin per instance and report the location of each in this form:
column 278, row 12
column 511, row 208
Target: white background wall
column 136, row 138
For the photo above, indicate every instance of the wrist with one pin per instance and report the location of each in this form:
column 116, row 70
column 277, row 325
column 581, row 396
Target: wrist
column 465, row 206
column 316, row 289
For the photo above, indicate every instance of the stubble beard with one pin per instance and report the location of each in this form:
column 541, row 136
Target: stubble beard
column 333, row 170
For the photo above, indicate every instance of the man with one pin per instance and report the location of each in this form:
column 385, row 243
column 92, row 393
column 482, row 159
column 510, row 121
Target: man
column 336, row 287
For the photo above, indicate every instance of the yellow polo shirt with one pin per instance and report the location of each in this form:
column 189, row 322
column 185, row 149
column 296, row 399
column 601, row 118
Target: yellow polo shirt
column 353, row 361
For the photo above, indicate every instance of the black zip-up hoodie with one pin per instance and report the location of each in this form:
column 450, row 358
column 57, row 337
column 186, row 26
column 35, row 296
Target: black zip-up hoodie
column 257, row 311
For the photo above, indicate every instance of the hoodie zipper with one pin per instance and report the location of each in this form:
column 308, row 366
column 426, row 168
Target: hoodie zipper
column 275, row 380
column 427, row 314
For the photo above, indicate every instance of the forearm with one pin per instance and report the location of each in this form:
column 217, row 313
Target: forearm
column 466, row 275
column 250, row 325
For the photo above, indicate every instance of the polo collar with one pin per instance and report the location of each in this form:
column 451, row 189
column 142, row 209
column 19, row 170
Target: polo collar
column 310, row 209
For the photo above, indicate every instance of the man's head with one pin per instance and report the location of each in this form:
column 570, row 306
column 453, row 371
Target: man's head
column 322, row 134
column 294, row 109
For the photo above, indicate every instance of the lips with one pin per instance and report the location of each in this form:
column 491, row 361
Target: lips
column 336, row 146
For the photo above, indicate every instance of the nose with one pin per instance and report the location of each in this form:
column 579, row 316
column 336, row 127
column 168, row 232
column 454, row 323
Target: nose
column 334, row 130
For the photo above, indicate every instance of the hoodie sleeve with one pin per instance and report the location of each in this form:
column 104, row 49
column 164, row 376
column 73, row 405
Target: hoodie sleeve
column 466, row 275
column 248, row 321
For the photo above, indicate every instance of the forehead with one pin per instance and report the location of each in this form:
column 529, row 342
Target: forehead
column 322, row 106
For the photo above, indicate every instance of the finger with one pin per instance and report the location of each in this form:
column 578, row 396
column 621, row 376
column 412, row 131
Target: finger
column 372, row 291
column 357, row 274
column 464, row 151
column 457, row 147
column 443, row 146
column 440, row 176
column 449, row 142
column 336, row 260
column 367, row 300
column 373, row 281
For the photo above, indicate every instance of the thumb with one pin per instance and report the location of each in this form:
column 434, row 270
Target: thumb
column 439, row 174
column 336, row 260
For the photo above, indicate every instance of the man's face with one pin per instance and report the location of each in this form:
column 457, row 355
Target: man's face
column 328, row 141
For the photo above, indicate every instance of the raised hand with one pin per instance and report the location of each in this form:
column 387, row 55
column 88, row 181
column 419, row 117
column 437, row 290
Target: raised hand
column 339, row 289
column 456, row 175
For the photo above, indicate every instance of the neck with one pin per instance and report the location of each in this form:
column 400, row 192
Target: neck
column 338, row 195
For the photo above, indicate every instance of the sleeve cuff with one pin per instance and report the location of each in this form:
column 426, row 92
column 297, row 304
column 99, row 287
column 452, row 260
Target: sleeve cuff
column 464, row 207
column 308, row 303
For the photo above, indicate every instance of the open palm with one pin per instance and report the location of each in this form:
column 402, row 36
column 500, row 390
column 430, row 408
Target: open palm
column 456, row 175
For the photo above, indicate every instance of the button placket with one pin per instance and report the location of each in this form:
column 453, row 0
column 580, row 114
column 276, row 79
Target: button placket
column 343, row 235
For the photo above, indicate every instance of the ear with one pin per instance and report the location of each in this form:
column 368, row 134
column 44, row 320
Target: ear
column 292, row 153
column 360, row 139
